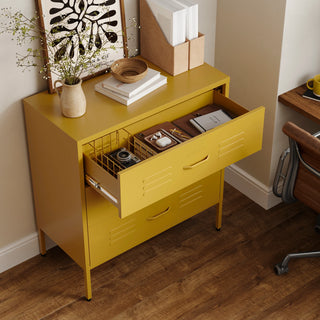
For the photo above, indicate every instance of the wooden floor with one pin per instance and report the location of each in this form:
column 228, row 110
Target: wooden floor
column 190, row 272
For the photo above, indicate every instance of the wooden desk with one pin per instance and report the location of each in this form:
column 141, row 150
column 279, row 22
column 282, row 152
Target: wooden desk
column 307, row 107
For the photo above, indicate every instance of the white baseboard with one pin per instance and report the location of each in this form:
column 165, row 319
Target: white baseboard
column 20, row 251
column 251, row 187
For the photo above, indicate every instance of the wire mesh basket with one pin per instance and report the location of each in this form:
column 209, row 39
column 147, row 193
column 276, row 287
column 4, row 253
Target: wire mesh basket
column 117, row 151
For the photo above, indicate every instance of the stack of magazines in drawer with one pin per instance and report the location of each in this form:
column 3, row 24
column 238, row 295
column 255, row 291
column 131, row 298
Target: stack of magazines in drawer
column 203, row 119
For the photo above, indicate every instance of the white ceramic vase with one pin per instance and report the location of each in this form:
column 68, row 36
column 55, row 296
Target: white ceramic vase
column 72, row 99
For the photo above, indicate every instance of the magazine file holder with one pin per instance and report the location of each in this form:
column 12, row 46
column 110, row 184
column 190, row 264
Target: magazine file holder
column 196, row 51
column 155, row 47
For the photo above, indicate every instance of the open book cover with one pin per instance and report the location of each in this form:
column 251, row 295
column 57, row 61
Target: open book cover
column 131, row 89
column 185, row 124
column 210, row 120
column 125, row 100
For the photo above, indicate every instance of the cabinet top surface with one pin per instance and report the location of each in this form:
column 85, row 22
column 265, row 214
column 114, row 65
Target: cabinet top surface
column 105, row 114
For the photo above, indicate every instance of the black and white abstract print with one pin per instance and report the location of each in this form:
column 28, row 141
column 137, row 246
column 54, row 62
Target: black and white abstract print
column 70, row 18
column 80, row 25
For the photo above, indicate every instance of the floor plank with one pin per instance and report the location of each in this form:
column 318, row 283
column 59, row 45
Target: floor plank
column 188, row 272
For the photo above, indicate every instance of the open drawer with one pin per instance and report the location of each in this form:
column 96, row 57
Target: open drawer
column 163, row 174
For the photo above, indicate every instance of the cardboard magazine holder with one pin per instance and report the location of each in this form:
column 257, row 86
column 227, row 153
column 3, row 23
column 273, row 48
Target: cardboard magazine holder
column 155, row 47
column 196, row 51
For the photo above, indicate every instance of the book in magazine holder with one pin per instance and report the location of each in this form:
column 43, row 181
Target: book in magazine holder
column 155, row 47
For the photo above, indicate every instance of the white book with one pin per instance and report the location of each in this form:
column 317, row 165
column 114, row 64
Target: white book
column 192, row 19
column 171, row 18
column 125, row 100
column 210, row 120
column 131, row 89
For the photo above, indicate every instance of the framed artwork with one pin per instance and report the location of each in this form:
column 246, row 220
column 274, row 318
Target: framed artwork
column 76, row 26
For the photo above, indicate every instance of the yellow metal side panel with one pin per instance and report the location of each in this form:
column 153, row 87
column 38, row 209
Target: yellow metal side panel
column 110, row 235
column 56, row 181
column 176, row 168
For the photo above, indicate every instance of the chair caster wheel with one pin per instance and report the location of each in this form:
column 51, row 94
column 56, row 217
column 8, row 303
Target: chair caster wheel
column 279, row 269
column 218, row 229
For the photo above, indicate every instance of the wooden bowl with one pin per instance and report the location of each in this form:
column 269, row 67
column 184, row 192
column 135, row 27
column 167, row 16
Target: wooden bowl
column 129, row 70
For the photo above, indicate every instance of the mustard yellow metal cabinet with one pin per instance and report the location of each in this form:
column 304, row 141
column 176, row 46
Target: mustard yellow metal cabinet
column 94, row 216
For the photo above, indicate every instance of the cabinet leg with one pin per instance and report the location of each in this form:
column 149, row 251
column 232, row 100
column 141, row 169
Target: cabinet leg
column 219, row 207
column 42, row 242
column 219, row 216
column 87, row 279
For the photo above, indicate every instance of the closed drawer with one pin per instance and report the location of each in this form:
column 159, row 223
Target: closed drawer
column 158, row 177
column 110, row 235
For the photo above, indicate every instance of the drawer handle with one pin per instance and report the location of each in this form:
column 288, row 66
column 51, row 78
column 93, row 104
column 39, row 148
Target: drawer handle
column 197, row 163
column 158, row 215
column 96, row 185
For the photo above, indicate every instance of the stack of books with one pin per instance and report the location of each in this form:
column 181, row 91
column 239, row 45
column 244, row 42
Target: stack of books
column 178, row 19
column 127, row 93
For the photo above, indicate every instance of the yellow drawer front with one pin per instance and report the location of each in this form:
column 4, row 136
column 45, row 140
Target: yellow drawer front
column 160, row 176
column 110, row 235
column 189, row 162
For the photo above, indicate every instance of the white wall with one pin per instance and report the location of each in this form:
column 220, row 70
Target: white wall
column 248, row 48
column 16, row 205
column 300, row 58
column 267, row 47
column 300, row 61
column 18, row 237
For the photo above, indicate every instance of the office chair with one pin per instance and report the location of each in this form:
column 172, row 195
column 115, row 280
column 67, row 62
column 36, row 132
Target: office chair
column 301, row 180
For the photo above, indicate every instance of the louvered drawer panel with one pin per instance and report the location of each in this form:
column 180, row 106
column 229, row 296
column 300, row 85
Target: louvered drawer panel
column 110, row 235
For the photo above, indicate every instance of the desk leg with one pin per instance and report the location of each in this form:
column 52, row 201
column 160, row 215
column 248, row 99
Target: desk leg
column 219, row 206
column 87, row 279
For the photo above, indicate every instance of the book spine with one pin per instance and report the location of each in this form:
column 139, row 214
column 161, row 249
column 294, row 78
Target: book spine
column 109, row 94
